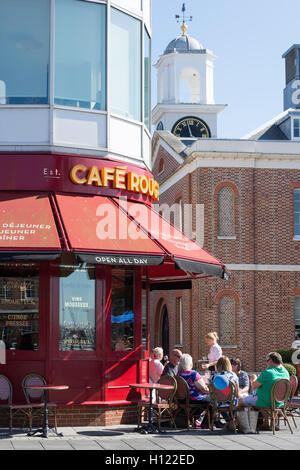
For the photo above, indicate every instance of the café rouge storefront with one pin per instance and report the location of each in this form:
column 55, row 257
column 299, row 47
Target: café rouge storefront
column 81, row 246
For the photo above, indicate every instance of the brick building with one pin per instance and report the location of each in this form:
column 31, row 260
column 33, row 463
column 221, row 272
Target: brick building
column 249, row 191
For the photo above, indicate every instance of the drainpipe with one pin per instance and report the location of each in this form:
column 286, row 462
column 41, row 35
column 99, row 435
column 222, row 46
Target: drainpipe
column 254, row 262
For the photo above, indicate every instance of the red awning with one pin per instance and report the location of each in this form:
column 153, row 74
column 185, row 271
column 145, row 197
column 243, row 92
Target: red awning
column 99, row 232
column 27, row 227
column 186, row 254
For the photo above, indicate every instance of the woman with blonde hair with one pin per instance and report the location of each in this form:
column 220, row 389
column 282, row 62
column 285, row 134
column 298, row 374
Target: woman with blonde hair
column 155, row 365
column 215, row 351
column 224, row 369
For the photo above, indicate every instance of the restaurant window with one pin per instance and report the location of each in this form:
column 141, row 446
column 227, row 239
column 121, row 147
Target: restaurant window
column 297, row 317
column 24, row 51
column 80, row 54
column 19, row 306
column 122, row 309
column 297, row 213
column 77, row 308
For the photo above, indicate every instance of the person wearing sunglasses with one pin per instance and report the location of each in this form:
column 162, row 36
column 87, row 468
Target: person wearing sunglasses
column 171, row 368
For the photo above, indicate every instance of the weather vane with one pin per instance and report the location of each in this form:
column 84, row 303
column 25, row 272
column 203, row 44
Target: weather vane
column 184, row 19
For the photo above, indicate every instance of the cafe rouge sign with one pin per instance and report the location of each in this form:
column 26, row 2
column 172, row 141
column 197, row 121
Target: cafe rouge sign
column 117, row 177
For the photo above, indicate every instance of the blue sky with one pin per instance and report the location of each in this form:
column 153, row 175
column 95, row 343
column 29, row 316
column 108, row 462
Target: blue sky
column 248, row 38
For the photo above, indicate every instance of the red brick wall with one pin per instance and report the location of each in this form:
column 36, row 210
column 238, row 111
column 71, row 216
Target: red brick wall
column 170, row 165
column 87, row 415
column 264, row 314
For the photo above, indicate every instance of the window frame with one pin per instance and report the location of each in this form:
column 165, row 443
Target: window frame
column 296, row 236
column 234, row 191
column 296, row 298
column 45, row 100
column 294, row 120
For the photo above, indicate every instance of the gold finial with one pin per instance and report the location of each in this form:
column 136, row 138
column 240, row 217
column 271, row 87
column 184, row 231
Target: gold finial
column 184, row 28
column 184, row 20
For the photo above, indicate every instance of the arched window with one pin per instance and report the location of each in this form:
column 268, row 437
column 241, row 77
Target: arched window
column 161, row 165
column 227, row 320
column 226, row 212
column 165, row 332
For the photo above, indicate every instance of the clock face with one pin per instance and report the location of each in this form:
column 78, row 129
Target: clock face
column 191, row 127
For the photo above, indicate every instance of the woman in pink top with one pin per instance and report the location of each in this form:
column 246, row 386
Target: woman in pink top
column 155, row 366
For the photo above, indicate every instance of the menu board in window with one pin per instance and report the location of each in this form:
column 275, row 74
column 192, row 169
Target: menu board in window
column 77, row 308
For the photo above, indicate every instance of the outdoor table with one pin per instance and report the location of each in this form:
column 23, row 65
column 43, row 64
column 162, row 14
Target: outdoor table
column 45, row 430
column 150, row 427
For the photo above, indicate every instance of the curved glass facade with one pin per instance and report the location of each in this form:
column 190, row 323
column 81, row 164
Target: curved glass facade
column 61, row 58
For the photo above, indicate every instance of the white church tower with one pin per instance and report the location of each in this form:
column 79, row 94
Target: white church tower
column 185, row 89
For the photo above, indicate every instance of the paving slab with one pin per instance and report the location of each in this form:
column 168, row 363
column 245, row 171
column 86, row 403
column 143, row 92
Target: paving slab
column 55, row 444
column 27, row 445
column 169, row 443
column 224, row 443
column 6, row 445
column 146, row 444
column 195, row 443
column 115, row 444
column 84, row 444
column 252, row 443
column 280, row 442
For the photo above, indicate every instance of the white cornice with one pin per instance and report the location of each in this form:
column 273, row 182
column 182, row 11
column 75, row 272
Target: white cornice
column 207, row 153
column 263, row 267
column 188, row 108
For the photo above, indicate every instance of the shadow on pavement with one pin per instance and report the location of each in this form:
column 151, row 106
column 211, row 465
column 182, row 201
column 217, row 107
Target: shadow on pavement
column 100, row 433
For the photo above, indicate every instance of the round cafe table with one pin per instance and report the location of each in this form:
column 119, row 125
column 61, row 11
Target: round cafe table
column 45, row 430
column 150, row 427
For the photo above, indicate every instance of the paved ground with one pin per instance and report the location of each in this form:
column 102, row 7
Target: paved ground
column 123, row 437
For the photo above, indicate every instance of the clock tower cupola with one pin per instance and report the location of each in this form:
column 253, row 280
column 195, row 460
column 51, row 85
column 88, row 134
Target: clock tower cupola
column 185, row 88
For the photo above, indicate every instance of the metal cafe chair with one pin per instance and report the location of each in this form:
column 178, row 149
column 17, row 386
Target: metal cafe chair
column 280, row 392
column 163, row 409
column 183, row 403
column 6, row 404
column 35, row 398
column 292, row 408
column 224, row 401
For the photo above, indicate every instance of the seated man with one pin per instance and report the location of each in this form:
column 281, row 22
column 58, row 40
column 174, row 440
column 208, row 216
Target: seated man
column 262, row 385
column 171, row 368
